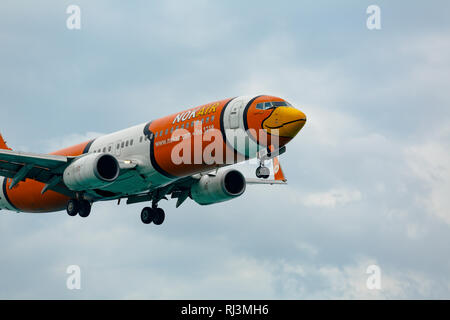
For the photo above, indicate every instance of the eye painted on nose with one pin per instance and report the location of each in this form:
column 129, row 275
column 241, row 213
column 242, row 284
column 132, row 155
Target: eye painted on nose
column 284, row 122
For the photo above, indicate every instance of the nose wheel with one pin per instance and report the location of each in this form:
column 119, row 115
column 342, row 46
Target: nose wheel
column 262, row 172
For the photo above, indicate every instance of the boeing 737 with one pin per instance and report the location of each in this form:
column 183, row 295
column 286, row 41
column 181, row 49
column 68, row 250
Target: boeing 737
column 184, row 155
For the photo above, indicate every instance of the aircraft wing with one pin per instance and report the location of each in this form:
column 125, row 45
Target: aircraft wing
column 47, row 169
column 179, row 189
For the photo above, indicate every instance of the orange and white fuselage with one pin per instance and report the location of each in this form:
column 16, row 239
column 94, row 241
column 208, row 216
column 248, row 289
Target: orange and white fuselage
column 233, row 124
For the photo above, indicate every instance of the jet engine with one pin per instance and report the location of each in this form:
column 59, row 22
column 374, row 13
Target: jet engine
column 225, row 185
column 93, row 171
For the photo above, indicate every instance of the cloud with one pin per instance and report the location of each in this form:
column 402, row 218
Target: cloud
column 430, row 163
column 363, row 173
column 332, row 198
column 349, row 281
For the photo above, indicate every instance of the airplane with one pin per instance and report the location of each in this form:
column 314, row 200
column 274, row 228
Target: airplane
column 142, row 163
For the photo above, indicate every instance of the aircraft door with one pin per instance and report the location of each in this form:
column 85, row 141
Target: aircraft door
column 234, row 114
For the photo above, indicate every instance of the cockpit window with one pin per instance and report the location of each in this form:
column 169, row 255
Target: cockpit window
column 281, row 104
column 274, row 104
column 264, row 105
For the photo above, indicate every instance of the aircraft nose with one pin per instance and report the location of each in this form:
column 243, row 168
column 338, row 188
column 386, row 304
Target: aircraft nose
column 285, row 122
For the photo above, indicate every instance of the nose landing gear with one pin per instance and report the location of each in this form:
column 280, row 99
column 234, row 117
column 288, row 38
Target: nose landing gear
column 262, row 171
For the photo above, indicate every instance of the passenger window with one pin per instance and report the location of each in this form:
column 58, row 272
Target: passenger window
column 118, row 146
column 131, row 142
column 212, row 118
column 156, row 135
column 161, row 133
column 203, row 120
column 207, row 120
column 182, row 126
column 123, row 144
column 109, row 149
column 187, row 125
column 192, row 123
column 126, row 143
column 171, row 130
column 140, row 139
column 176, row 128
column 104, row 149
column 167, row 131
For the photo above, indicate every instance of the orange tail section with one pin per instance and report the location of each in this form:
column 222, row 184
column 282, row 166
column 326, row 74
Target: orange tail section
column 3, row 144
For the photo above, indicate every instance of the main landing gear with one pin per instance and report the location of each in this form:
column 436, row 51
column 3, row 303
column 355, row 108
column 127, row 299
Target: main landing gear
column 80, row 207
column 154, row 214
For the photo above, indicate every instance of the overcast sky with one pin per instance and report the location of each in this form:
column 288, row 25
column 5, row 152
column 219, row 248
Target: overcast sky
column 369, row 174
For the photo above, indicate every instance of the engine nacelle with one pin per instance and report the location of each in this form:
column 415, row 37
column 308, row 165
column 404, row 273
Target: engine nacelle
column 224, row 186
column 93, row 171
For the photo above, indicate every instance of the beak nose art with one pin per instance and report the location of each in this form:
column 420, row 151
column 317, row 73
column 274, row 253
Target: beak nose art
column 285, row 122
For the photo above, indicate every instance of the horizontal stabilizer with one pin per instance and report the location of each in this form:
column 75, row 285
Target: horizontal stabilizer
column 263, row 181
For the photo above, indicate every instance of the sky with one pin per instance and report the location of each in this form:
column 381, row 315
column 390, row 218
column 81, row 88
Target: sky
column 368, row 175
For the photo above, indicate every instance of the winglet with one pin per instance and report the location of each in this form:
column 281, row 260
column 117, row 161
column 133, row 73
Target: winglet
column 3, row 144
column 277, row 171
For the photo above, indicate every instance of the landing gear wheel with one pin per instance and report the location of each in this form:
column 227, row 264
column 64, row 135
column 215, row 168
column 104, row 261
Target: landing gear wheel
column 84, row 208
column 72, row 207
column 147, row 215
column 160, row 216
column 262, row 172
